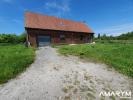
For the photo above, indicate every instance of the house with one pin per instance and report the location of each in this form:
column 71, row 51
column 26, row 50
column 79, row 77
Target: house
column 45, row 30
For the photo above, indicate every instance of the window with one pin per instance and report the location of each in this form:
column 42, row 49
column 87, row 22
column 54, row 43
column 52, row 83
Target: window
column 62, row 37
column 81, row 37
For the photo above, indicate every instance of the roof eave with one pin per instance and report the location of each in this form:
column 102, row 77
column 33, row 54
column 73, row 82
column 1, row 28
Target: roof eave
column 58, row 30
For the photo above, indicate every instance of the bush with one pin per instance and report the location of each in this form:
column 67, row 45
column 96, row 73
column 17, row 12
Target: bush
column 12, row 38
column 22, row 38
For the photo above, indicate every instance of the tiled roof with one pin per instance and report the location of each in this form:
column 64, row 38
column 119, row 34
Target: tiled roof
column 39, row 21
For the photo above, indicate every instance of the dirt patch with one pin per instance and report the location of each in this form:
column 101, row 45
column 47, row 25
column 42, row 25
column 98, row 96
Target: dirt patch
column 56, row 77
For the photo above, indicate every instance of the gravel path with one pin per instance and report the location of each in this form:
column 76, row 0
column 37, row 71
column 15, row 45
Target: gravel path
column 55, row 77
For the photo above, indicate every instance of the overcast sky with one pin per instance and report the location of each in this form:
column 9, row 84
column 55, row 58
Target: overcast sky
column 112, row 17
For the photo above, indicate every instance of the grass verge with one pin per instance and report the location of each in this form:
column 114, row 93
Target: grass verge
column 14, row 59
column 119, row 56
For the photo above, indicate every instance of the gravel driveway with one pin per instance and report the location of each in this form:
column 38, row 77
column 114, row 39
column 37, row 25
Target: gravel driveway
column 55, row 77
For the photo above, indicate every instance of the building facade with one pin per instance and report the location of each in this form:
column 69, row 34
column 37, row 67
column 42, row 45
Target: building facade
column 44, row 30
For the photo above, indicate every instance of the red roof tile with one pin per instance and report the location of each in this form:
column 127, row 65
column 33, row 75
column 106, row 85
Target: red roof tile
column 33, row 20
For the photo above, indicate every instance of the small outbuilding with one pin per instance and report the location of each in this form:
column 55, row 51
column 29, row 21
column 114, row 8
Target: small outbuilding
column 44, row 30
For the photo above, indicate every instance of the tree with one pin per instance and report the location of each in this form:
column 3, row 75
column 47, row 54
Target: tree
column 12, row 38
column 99, row 36
column 22, row 37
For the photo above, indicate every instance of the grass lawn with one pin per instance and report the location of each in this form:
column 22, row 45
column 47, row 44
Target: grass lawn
column 13, row 60
column 117, row 55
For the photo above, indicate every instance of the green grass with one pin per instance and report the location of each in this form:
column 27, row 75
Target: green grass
column 119, row 56
column 115, row 41
column 13, row 60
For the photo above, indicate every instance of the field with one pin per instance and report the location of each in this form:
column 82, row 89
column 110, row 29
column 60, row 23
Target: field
column 116, row 55
column 115, row 41
column 13, row 60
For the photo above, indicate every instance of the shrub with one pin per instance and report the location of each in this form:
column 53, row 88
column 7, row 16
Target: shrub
column 22, row 38
column 12, row 38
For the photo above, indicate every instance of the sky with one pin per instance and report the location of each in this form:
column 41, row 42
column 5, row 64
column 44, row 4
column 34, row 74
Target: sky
column 111, row 17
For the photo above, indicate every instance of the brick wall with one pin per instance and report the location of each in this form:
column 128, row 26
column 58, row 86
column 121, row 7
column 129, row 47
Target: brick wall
column 70, row 37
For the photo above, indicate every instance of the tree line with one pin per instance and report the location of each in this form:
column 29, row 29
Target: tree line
column 125, row 36
column 13, row 38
